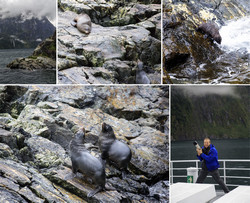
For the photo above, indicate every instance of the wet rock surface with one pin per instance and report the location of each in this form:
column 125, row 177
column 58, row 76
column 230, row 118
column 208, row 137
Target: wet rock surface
column 122, row 32
column 44, row 57
column 37, row 124
column 193, row 57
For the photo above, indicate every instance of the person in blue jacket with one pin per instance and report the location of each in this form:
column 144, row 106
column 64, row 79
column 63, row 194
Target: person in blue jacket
column 209, row 157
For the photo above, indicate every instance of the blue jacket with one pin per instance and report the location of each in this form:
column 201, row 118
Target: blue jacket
column 211, row 159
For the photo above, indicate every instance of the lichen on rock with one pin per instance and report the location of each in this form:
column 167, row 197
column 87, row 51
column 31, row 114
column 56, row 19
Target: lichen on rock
column 122, row 32
column 193, row 57
column 34, row 145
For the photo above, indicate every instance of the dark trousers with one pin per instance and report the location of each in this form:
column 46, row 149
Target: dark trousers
column 216, row 176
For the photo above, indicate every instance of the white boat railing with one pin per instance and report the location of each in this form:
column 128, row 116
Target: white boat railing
column 223, row 167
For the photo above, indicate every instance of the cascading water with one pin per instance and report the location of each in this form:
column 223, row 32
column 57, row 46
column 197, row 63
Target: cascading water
column 236, row 35
column 232, row 65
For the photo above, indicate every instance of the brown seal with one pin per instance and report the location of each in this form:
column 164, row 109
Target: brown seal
column 212, row 30
column 84, row 162
column 82, row 23
column 118, row 153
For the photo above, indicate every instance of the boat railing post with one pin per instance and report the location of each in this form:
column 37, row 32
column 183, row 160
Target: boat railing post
column 171, row 172
column 224, row 165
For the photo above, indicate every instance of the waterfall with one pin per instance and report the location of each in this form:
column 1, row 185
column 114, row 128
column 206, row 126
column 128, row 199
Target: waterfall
column 235, row 35
column 13, row 43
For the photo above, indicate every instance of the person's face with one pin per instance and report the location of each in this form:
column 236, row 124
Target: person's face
column 206, row 143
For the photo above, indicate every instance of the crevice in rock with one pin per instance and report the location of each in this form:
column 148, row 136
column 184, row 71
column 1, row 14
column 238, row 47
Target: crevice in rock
column 126, row 114
column 39, row 195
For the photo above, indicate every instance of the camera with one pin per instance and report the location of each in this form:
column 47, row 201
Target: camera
column 195, row 143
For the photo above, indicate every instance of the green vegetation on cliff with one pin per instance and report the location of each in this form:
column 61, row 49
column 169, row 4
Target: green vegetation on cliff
column 217, row 116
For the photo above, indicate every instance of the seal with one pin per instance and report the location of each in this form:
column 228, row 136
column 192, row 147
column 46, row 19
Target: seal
column 141, row 76
column 84, row 162
column 212, row 30
column 82, row 23
column 113, row 150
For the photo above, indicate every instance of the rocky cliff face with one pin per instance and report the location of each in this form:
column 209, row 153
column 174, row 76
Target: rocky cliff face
column 44, row 57
column 191, row 57
column 212, row 115
column 20, row 32
column 122, row 33
column 34, row 163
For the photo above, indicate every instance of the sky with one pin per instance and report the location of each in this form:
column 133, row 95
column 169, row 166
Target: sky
column 40, row 8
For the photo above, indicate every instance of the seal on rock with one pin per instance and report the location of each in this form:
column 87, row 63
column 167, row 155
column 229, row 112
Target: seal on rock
column 85, row 163
column 212, row 30
column 141, row 76
column 82, row 23
column 117, row 152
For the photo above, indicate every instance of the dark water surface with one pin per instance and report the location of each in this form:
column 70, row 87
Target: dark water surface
column 227, row 149
column 15, row 76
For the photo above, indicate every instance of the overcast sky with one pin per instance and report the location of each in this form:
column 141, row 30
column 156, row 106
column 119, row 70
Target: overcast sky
column 40, row 8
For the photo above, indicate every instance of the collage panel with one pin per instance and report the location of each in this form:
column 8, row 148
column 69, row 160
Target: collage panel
column 28, row 42
column 206, row 42
column 210, row 144
column 135, row 101
column 84, row 143
column 109, row 42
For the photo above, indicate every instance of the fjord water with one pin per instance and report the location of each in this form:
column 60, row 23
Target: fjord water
column 16, row 76
column 227, row 149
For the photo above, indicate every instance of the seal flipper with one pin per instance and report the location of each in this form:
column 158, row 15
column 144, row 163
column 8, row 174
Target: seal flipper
column 70, row 176
column 109, row 188
column 73, row 23
column 92, row 193
column 74, row 166
column 103, row 162
column 124, row 174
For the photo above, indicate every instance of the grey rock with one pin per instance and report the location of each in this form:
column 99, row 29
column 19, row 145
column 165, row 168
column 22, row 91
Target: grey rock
column 86, row 59
column 51, row 115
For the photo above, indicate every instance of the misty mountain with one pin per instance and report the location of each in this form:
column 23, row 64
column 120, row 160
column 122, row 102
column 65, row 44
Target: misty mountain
column 24, row 32
column 212, row 115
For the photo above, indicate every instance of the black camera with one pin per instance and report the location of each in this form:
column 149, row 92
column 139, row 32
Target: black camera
column 195, row 143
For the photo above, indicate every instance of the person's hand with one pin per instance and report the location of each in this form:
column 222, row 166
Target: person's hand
column 199, row 151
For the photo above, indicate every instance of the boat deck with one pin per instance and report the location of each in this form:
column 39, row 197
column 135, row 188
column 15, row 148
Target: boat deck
column 206, row 193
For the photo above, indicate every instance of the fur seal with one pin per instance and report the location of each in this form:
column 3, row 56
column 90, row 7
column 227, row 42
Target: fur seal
column 141, row 76
column 82, row 23
column 212, row 30
column 85, row 163
column 113, row 150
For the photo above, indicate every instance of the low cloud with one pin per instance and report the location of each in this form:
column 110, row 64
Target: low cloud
column 42, row 8
column 203, row 90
